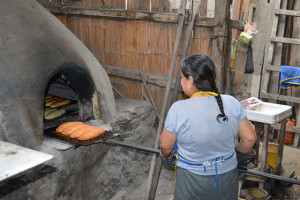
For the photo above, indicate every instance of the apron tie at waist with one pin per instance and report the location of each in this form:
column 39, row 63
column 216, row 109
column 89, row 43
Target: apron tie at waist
column 216, row 161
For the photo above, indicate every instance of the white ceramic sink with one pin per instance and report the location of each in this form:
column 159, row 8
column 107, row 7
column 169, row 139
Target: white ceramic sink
column 264, row 112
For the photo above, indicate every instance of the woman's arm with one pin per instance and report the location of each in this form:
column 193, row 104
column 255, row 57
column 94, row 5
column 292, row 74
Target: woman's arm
column 167, row 141
column 247, row 137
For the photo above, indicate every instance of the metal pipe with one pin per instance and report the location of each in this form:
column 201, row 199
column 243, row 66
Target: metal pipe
column 272, row 176
column 156, row 151
column 123, row 144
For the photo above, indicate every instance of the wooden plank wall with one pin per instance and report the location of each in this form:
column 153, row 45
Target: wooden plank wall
column 138, row 45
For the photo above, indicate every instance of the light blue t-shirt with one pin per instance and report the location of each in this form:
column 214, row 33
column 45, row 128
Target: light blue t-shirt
column 200, row 137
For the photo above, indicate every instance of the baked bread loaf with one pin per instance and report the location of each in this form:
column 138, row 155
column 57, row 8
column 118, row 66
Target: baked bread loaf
column 48, row 102
column 49, row 110
column 90, row 134
column 65, row 125
column 48, row 96
column 51, row 98
column 60, row 103
column 55, row 114
column 68, row 130
column 80, row 131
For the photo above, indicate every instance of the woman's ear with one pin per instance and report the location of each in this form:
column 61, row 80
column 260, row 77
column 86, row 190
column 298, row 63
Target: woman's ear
column 190, row 82
column 190, row 78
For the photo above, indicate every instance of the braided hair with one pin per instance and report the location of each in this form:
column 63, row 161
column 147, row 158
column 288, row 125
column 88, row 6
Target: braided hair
column 202, row 69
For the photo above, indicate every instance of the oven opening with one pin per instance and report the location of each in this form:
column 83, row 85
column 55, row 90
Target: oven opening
column 69, row 96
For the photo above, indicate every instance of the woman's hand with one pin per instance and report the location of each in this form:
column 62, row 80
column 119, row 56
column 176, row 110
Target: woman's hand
column 247, row 137
column 167, row 141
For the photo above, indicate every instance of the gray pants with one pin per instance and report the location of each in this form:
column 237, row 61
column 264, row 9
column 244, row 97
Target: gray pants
column 191, row 186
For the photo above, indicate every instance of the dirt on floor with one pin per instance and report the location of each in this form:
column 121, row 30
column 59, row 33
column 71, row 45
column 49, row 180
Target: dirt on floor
column 290, row 161
column 279, row 191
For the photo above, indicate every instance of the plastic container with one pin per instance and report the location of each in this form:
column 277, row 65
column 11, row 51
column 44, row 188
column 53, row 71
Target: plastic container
column 288, row 136
column 265, row 112
column 272, row 155
column 245, row 38
column 256, row 194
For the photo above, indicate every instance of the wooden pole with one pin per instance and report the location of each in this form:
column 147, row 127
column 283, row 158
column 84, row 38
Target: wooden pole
column 228, row 61
column 280, row 147
column 258, row 46
column 236, row 11
column 156, row 163
column 219, row 39
column 295, row 60
column 184, row 53
column 150, row 96
column 240, row 64
column 203, row 8
column 265, row 147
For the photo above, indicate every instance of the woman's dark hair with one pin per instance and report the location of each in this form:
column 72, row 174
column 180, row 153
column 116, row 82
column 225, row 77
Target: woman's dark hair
column 202, row 69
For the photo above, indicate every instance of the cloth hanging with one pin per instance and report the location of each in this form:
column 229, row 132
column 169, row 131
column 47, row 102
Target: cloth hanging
column 290, row 76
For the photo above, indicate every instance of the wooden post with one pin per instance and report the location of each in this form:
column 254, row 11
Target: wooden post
column 156, row 164
column 203, row 8
column 264, row 150
column 240, row 64
column 219, row 39
column 280, row 147
column 228, row 61
column 236, row 10
column 258, row 46
column 296, row 62
column 184, row 52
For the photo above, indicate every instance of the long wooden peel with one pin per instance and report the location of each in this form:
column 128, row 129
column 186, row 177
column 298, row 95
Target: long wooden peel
column 156, row 164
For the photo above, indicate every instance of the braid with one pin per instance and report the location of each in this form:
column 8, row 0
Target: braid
column 221, row 118
column 202, row 69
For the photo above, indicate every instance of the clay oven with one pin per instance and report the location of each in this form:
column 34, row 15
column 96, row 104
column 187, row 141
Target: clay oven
column 36, row 52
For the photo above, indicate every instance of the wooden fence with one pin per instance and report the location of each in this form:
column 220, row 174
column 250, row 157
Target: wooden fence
column 132, row 40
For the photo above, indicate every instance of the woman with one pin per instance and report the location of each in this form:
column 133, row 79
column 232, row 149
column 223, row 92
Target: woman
column 203, row 128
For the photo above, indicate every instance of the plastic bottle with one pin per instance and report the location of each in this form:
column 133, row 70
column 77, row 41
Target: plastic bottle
column 289, row 136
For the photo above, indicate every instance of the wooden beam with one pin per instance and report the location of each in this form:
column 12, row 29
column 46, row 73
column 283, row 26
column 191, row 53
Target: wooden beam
column 280, row 147
column 264, row 147
column 285, row 40
column 274, row 68
column 287, row 12
column 203, row 9
column 294, row 129
column 240, row 64
column 251, row 12
column 282, row 98
column 245, row 10
column 132, row 15
column 156, row 164
column 258, row 46
column 236, row 10
column 219, row 39
column 135, row 75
